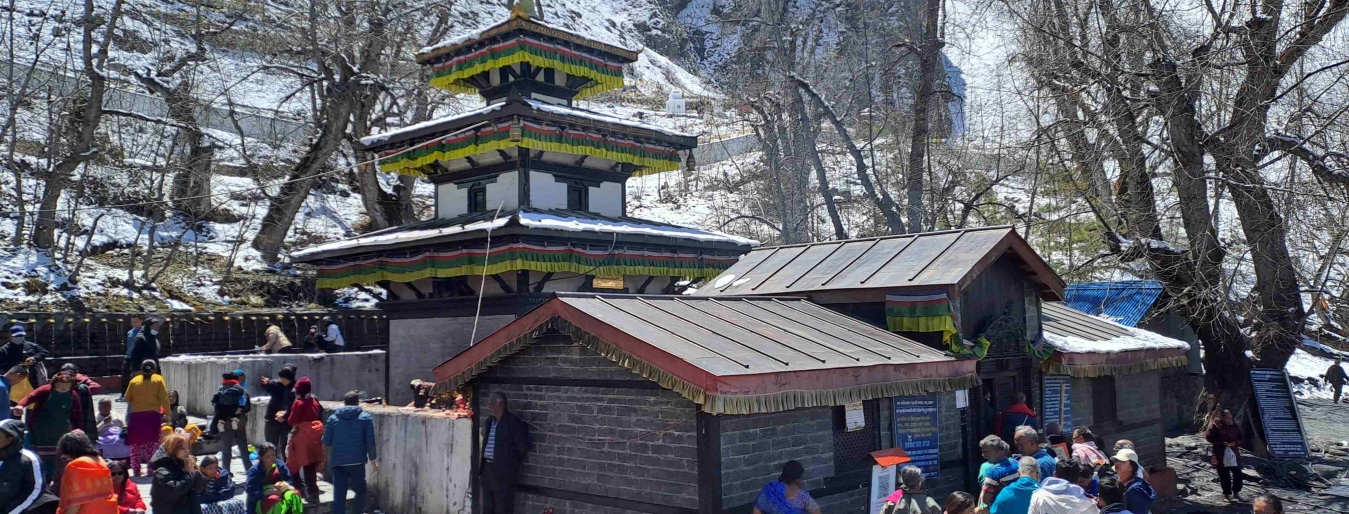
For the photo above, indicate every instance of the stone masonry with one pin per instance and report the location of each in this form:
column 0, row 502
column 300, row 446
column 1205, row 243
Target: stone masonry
column 635, row 444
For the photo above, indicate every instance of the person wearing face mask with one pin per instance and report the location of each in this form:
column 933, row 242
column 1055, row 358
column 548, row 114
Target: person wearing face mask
column 53, row 410
column 18, row 351
column 146, row 344
column 148, row 406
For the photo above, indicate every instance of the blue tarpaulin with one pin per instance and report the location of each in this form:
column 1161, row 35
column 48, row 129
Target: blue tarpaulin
column 1125, row 302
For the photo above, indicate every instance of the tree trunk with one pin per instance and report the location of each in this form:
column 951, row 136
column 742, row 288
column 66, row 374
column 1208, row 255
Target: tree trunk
column 929, row 56
column 281, row 211
column 821, row 177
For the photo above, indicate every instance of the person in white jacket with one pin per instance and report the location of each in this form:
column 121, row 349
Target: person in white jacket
column 1060, row 493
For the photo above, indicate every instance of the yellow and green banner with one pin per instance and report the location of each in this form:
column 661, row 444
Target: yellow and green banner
column 535, row 136
column 930, row 311
column 522, row 256
column 451, row 75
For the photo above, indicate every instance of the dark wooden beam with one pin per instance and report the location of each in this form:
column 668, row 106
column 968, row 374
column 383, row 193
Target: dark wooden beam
column 522, row 281
column 538, row 288
column 581, row 160
column 472, row 163
column 588, row 284
column 709, row 463
column 505, row 156
column 642, row 289
column 502, row 284
column 413, row 287
column 389, row 295
column 670, row 286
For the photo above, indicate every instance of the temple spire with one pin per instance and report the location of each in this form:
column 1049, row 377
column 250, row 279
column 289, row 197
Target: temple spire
column 526, row 9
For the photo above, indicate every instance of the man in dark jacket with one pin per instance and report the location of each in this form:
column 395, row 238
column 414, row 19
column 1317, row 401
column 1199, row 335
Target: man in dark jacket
column 1336, row 378
column 282, row 394
column 18, row 351
column 231, row 404
column 146, row 343
column 350, row 438
column 1015, row 415
column 505, row 441
column 20, row 471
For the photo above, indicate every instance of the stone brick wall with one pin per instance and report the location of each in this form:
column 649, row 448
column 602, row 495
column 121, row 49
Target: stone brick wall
column 754, row 448
column 633, row 444
column 1138, row 415
column 417, row 346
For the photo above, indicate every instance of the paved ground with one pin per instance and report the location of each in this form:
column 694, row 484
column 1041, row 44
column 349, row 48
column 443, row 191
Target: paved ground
column 236, row 469
column 1301, row 484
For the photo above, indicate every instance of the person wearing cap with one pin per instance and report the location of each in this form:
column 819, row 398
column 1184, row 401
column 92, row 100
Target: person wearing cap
column 18, row 351
column 53, row 410
column 314, row 340
column 305, row 454
column 20, row 469
column 1138, row 493
column 332, row 335
column 146, row 344
column 128, row 365
column 231, row 418
column 281, row 394
column 787, row 495
column 148, row 408
column 15, row 375
column 276, row 340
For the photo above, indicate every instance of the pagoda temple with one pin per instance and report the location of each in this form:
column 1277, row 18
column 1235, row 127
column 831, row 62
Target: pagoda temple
column 529, row 197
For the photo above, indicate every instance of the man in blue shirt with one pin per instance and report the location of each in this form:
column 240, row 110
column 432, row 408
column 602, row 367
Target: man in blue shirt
column 1001, row 472
column 1028, row 443
column 127, row 363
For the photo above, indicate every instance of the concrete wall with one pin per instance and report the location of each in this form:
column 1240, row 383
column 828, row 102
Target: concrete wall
column 417, row 346
column 197, row 377
column 616, row 442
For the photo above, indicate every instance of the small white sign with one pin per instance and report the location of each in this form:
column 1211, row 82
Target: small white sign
column 963, row 399
column 855, row 417
column 882, row 485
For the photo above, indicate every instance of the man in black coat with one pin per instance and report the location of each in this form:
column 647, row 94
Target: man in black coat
column 505, row 441
column 20, row 472
column 146, row 343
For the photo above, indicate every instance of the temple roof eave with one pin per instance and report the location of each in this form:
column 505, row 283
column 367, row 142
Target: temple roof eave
column 517, row 107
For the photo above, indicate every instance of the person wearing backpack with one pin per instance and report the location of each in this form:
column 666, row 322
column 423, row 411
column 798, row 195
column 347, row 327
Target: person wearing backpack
column 1085, row 450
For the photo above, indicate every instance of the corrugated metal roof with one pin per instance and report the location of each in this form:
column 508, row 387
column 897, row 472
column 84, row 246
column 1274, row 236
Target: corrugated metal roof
column 731, row 355
column 904, row 261
column 1061, row 319
column 1126, row 302
column 746, row 336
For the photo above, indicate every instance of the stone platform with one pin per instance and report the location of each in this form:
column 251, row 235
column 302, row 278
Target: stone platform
column 197, row 377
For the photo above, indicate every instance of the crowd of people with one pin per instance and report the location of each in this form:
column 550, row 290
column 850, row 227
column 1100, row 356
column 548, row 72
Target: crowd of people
column 1038, row 472
column 61, row 454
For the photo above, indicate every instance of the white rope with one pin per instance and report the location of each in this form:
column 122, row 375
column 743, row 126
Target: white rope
column 473, row 336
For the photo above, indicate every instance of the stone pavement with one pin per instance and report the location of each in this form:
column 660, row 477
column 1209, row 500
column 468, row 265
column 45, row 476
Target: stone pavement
column 1327, row 428
column 236, row 467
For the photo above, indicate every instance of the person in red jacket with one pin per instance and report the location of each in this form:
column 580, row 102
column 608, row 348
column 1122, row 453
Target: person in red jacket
column 1015, row 415
column 305, row 452
column 53, row 410
column 128, row 494
column 1226, row 435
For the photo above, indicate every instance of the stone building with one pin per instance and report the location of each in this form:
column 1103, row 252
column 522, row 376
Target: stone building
column 1109, row 377
column 1144, row 304
column 690, row 405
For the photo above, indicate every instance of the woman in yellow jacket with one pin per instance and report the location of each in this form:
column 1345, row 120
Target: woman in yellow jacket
column 147, row 400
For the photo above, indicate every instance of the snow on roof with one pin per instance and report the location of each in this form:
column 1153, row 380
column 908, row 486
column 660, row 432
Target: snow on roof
column 478, row 33
column 1072, row 331
column 395, row 236
column 582, row 113
column 572, row 224
column 380, row 138
column 550, row 220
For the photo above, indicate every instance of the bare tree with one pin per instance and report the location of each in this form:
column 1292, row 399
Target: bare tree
column 85, row 113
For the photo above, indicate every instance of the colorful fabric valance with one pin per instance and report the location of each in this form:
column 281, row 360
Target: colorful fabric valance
column 535, row 136
column 604, row 75
column 924, row 311
column 522, row 256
